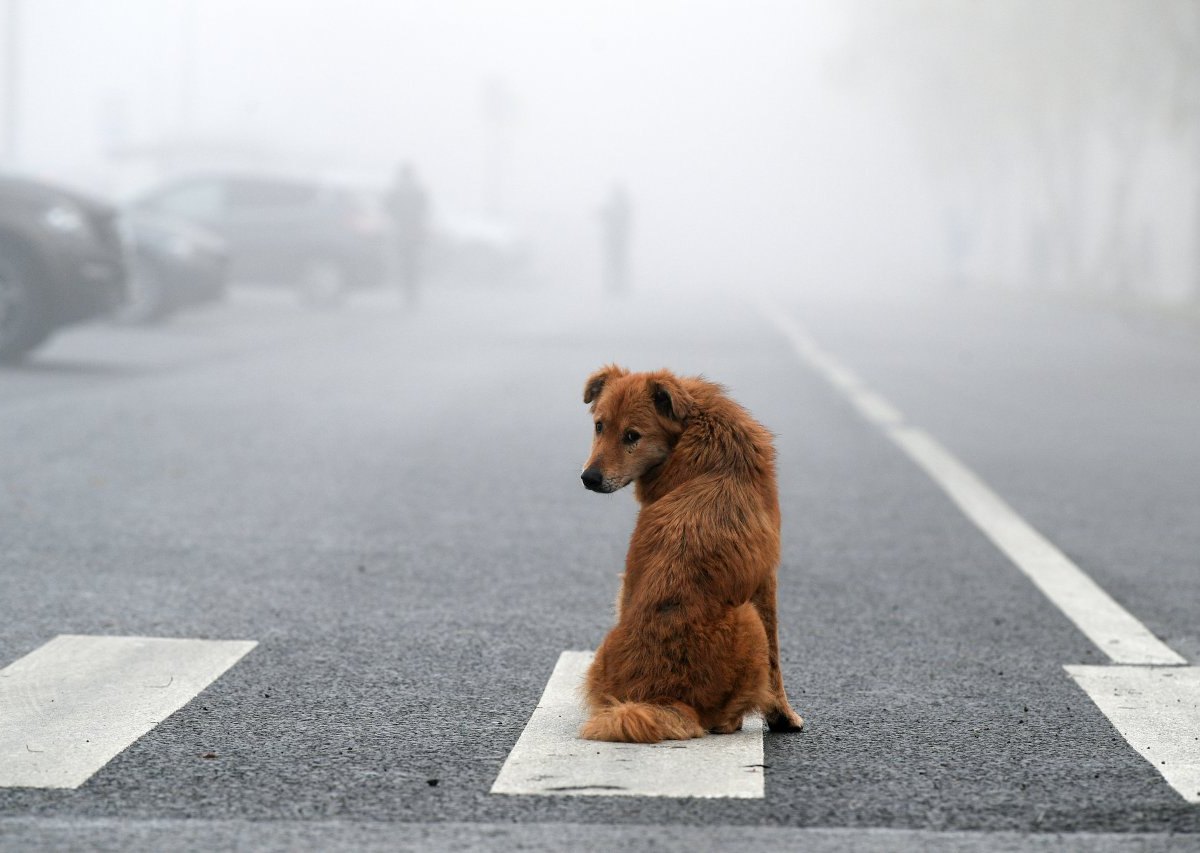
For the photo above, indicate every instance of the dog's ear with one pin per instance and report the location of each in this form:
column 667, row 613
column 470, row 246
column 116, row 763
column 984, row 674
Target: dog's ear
column 670, row 398
column 595, row 382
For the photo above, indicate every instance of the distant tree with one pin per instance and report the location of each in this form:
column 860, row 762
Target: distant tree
column 1039, row 108
column 1180, row 20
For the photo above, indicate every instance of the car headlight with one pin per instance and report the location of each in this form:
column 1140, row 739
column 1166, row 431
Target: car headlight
column 65, row 218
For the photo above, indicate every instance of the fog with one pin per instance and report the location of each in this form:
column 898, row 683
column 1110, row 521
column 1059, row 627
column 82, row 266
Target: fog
column 816, row 145
column 745, row 159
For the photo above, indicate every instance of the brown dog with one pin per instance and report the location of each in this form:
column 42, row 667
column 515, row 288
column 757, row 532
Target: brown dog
column 695, row 647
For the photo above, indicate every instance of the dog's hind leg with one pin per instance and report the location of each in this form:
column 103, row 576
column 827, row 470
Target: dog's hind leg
column 728, row 727
column 752, row 687
column 780, row 717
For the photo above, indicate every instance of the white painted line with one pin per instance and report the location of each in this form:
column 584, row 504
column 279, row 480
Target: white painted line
column 1115, row 630
column 1153, row 699
column 812, row 353
column 74, row 832
column 72, row 705
column 1156, row 709
column 876, row 409
column 1107, row 624
column 550, row 758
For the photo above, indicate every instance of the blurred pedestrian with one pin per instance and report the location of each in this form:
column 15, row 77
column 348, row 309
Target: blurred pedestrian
column 408, row 205
column 615, row 224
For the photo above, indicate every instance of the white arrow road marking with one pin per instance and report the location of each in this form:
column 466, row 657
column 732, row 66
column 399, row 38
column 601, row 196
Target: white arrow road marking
column 72, row 705
column 551, row 759
column 1156, row 710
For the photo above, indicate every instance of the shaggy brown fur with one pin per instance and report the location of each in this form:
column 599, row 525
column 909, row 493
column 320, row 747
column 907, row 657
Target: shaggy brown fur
column 695, row 647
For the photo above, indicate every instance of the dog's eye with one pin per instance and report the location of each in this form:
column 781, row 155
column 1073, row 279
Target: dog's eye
column 632, row 436
column 599, row 427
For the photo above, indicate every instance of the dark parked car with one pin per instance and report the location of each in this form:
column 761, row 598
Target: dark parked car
column 173, row 265
column 62, row 260
column 320, row 236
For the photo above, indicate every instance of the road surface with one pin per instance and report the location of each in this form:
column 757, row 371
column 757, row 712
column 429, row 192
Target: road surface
column 385, row 509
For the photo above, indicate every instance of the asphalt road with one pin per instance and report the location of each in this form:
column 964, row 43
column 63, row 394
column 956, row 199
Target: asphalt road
column 389, row 504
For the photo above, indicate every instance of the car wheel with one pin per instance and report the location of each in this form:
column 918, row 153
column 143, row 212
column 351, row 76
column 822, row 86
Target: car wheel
column 147, row 297
column 23, row 323
column 323, row 283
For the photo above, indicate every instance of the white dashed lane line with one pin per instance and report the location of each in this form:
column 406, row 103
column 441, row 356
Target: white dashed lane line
column 72, row 705
column 1153, row 697
column 552, row 760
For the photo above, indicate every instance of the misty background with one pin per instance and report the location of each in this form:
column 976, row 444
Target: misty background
column 815, row 144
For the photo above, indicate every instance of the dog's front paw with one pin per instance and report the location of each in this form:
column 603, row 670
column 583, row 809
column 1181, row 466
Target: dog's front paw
column 784, row 720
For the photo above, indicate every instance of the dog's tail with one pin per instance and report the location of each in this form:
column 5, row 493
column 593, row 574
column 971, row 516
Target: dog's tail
column 642, row 722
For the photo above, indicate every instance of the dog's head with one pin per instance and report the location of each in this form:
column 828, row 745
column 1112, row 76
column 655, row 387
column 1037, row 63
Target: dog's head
column 636, row 420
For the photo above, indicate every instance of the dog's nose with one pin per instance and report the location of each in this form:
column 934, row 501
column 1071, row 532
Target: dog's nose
column 592, row 478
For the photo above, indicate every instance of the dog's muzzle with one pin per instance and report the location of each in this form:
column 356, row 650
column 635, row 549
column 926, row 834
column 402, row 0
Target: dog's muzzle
column 593, row 479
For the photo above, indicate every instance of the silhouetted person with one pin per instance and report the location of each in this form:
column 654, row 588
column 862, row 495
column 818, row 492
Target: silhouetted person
column 615, row 223
column 408, row 205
